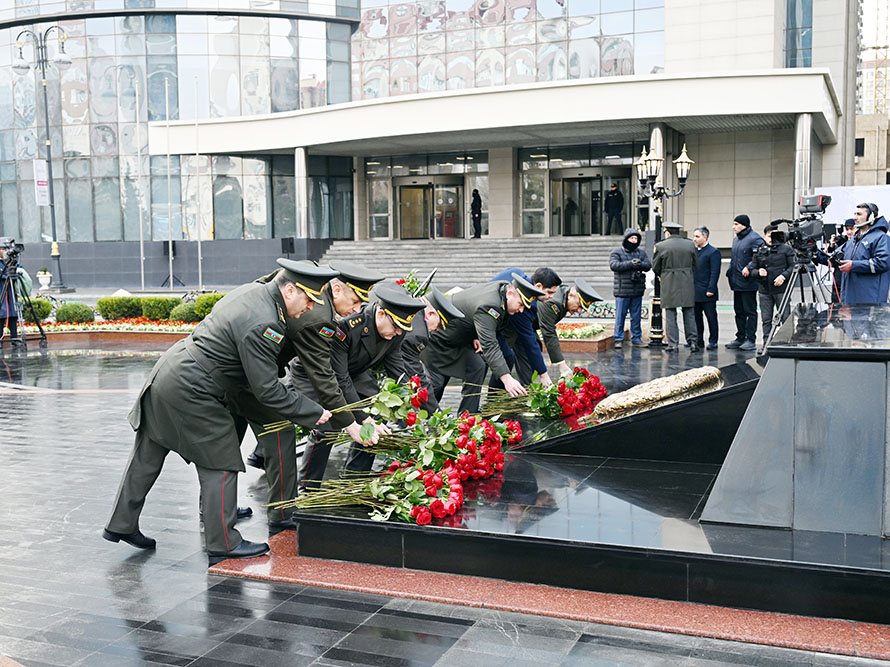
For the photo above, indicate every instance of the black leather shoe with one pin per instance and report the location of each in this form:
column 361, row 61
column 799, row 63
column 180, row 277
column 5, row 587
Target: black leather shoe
column 671, row 348
column 276, row 527
column 712, row 346
column 243, row 513
column 246, row 549
column 693, row 347
column 136, row 538
column 255, row 460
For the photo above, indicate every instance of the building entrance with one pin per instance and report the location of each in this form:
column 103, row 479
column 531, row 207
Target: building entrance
column 431, row 211
column 577, row 205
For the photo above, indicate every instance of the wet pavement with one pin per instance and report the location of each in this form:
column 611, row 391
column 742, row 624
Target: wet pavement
column 70, row 598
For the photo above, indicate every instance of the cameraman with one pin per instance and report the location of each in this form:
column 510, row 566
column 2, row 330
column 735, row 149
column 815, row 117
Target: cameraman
column 772, row 264
column 866, row 259
column 9, row 307
column 827, row 257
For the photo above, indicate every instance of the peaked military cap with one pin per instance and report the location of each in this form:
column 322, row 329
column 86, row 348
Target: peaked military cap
column 586, row 293
column 526, row 290
column 395, row 301
column 359, row 278
column 443, row 306
column 307, row 276
column 671, row 226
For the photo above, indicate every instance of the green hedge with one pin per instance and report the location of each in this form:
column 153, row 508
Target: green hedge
column 158, row 307
column 204, row 304
column 184, row 312
column 42, row 308
column 119, row 307
column 75, row 313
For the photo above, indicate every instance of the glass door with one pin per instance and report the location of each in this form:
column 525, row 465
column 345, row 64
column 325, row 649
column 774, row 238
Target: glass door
column 577, row 206
column 449, row 211
column 415, row 211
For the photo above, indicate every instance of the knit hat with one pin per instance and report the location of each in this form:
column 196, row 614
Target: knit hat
column 743, row 220
column 849, row 222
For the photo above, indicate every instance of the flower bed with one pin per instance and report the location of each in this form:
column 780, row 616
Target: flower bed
column 576, row 330
column 128, row 324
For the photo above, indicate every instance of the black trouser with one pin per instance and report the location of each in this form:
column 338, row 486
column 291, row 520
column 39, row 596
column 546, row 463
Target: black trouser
column 706, row 309
column 769, row 305
column 477, row 225
column 617, row 218
column 474, row 374
column 745, row 306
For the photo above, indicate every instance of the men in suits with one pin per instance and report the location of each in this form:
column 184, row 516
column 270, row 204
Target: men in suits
column 455, row 351
column 707, row 272
column 360, row 342
column 566, row 299
column 227, row 366
column 674, row 263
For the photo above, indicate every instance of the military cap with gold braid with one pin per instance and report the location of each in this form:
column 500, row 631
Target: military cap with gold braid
column 358, row 277
column 307, row 276
column 395, row 301
column 447, row 310
column 587, row 295
column 526, row 290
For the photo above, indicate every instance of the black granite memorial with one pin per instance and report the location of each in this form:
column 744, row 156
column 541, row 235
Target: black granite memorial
column 811, row 452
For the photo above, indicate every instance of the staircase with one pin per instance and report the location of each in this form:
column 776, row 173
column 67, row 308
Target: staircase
column 467, row 262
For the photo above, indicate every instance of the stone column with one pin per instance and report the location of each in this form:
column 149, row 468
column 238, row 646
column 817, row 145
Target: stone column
column 803, row 158
column 361, row 219
column 301, row 192
column 503, row 220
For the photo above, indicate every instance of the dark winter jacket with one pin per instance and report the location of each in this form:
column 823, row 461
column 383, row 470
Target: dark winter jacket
column 8, row 296
column 869, row 280
column 707, row 273
column 777, row 260
column 742, row 250
column 614, row 201
column 630, row 278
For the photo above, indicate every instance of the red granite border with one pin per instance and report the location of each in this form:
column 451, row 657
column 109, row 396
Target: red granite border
column 867, row 640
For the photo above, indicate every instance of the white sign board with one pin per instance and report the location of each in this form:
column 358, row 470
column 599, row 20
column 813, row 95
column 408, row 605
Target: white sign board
column 844, row 200
column 41, row 183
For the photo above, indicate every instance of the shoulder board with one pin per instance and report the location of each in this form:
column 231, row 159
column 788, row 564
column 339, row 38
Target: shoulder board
column 494, row 313
column 273, row 335
column 420, row 347
column 326, row 332
column 281, row 315
column 353, row 322
column 338, row 332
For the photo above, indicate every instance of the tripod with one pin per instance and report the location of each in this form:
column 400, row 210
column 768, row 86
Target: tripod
column 11, row 294
column 798, row 271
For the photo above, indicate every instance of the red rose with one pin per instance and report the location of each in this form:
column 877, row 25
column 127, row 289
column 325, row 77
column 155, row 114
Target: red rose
column 411, row 418
column 416, row 402
column 431, row 490
column 450, row 507
column 423, row 517
column 414, row 382
column 400, row 281
column 423, row 394
column 437, row 508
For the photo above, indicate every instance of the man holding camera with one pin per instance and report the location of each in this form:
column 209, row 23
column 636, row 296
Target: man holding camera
column 866, row 264
column 772, row 263
column 9, row 311
column 629, row 262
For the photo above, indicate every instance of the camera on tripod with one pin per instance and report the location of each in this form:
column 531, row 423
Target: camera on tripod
column 805, row 232
column 13, row 249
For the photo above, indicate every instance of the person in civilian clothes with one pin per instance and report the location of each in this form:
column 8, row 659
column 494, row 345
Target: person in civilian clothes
column 629, row 263
column 707, row 272
column 743, row 284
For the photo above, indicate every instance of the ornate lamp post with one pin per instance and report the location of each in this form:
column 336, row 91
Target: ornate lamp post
column 651, row 184
column 21, row 66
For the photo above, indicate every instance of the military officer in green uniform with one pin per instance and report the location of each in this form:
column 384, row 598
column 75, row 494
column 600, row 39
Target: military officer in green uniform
column 363, row 340
column 453, row 352
column 308, row 357
column 566, row 299
column 437, row 313
column 227, row 366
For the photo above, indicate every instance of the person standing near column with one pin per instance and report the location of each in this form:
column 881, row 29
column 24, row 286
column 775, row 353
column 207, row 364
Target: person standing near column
column 743, row 284
column 707, row 272
column 629, row 263
column 614, row 206
column 674, row 263
column 476, row 214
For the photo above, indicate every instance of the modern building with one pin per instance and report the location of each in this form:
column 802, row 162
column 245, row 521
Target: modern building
column 329, row 120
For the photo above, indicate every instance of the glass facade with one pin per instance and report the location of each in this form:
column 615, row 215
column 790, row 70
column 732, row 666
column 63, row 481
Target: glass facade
column 428, row 46
column 798, row 33
column 211, row 66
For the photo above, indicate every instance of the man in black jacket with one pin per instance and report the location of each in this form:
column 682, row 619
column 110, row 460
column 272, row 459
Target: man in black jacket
column 772, row 263
column 743, row 284
column 614, row 205
column 629, row 263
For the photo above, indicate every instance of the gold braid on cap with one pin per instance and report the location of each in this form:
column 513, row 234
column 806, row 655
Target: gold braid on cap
column 402, row 322
column 443, row 318
column 362, row 293
column 314, row 294
column 525, row 300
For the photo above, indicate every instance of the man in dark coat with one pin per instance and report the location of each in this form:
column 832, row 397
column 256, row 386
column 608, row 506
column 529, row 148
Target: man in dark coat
column 866, row 265
column 614, row 205
column 476, row 214
column 455, row 351
column 675, row 262
column 9, row 288
column 773, row 264
column 629, row 263
column 566, row 299
column 227, row 365
column 363, row 340
column 707, row 272
column 743, row 284
column 439, row 311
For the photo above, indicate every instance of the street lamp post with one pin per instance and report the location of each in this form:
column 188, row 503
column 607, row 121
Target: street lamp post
column 651, row 184
column 21, row 66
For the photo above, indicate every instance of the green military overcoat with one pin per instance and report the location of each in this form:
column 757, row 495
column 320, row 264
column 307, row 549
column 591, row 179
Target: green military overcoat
column 228, row 364
column 549, row 314
column 674, row 263
column 485, row 315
